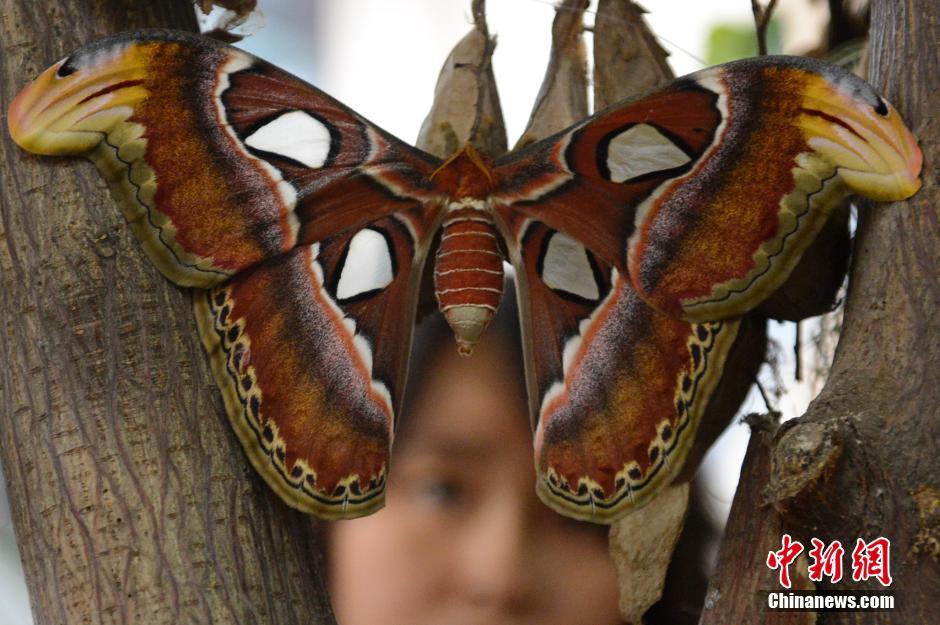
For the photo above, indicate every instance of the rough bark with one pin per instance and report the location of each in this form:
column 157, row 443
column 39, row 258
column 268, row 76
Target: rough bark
column 739, row 596
column 132, row 500
column 864, row 461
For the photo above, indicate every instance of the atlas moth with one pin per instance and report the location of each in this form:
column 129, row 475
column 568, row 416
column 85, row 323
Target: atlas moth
column 637, row 236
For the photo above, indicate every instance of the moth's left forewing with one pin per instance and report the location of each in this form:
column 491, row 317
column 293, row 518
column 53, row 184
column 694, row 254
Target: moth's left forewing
column 218, row 159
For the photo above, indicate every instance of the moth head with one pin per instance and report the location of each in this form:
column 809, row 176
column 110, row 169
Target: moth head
column 466, row 173
column 70, row 105
column 856, row 130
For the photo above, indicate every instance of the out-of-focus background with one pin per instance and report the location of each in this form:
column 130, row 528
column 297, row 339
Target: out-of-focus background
column 382, row 59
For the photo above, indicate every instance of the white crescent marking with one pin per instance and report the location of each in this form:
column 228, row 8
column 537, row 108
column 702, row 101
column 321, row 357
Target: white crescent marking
column 368, row 265
column 295, row 135
column 360, row 344
column 566, row 268
column 640, row 150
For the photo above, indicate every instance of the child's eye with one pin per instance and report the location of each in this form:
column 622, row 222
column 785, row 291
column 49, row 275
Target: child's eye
column 440, row 491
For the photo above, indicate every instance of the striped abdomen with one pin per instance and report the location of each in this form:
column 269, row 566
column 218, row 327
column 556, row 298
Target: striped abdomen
column 468, row 272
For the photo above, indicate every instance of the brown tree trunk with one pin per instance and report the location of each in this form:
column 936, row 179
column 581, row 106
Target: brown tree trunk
column 864, row 461
column 132, row 500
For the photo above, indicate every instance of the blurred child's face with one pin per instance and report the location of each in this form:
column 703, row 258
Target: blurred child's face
column 463, row 539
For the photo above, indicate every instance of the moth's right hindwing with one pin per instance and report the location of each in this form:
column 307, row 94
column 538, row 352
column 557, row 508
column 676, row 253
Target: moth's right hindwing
column 617, row 389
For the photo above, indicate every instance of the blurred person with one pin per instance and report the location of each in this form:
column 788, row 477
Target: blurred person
column 463, row 539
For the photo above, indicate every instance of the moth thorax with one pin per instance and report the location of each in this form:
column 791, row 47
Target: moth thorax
column 468, row 272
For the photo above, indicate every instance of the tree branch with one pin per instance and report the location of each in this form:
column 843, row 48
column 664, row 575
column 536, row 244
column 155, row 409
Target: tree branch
column 132, row 500
column 864, row 460
column 761, row 21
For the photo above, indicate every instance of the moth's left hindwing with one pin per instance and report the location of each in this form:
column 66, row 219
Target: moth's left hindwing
column 307, row 224
column 311, row 363
column 707, row 191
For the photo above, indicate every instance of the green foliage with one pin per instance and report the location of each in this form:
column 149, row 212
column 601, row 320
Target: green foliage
column 728, row 42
